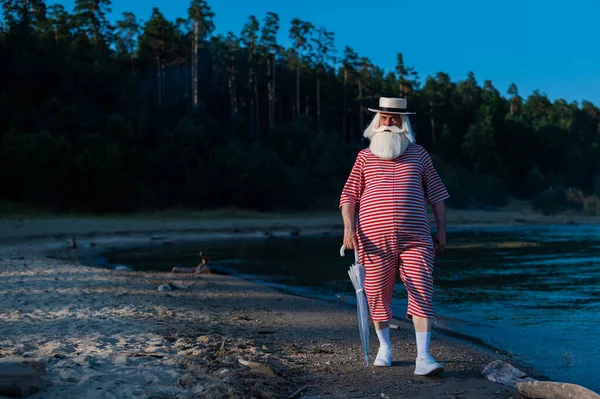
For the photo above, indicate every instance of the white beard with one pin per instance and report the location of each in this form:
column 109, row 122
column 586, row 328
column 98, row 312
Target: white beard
column 389, row 145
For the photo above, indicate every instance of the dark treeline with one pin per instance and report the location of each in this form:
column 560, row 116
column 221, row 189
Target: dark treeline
column 158, row 114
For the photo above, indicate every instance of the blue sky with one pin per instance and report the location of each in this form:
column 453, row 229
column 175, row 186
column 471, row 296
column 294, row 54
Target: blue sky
column 548, row 45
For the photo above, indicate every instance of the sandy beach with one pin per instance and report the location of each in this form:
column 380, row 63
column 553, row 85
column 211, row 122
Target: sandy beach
column 112, row 334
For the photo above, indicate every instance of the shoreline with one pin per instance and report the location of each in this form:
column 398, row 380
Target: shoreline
column 95, row 258
column 201, row 337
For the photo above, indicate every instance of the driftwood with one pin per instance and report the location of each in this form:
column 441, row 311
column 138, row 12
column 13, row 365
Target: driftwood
column 202, row 268
column 504, row 373
column 21, row 379
column 554, row 390
column 298, row 391
column 144, row 354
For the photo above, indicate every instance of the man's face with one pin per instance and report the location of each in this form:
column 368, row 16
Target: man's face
column 390, row 120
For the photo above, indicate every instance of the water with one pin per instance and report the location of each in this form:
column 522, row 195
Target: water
column 531, row 291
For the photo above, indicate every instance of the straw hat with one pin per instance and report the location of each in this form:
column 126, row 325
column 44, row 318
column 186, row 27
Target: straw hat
column 389, row 105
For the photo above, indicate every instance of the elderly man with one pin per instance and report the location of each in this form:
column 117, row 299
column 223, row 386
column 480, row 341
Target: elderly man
column 391, row 184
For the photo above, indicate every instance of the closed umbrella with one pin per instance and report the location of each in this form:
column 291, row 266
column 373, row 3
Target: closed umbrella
column 357, row 274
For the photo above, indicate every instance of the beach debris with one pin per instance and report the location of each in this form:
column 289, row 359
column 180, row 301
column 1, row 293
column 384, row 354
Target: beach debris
column 167, row 287
column 298, row 391
column 394, row 327
column 504, row 373
column 384, row 396
column 123, row 268
column 172, row 287
column 200, row 269
column 554, row 390
column 21, row 379
column 295, row 231
column 205, row 267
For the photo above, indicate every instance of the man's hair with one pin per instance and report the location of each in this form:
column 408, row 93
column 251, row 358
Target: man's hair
column 406, row 127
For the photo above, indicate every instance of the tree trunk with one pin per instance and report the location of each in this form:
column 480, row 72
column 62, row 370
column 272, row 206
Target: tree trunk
column 162, row 83
column 230, row 86
column 270, row 94
column 274, row 96
column 195, row 66
column 187, row 75
column 257, row 106
column 235, row 99
column 360, row 107
column 432, row 126
column 158, row 80
column 298, row 87
column 318, row 104
column 345, row 106
column 252, row 110
column 234, row 91
column 252, row 121
column 307, row 108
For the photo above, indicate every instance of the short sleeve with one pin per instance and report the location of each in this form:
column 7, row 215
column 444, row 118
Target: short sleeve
column 435, row 190
column 355, row 184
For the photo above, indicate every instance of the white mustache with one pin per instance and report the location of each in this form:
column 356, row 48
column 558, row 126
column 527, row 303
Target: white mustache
column 393, row 129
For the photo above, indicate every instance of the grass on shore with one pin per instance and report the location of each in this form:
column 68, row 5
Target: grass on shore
column 16, row 211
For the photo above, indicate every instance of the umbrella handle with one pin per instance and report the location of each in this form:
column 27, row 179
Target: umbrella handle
column 343, row 253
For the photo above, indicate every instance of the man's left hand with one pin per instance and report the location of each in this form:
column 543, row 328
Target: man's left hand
column 440, row 242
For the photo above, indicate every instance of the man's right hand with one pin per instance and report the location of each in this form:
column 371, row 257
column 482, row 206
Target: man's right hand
column 350, row 240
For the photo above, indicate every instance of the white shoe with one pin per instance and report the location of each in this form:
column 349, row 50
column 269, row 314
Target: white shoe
column 384, row 357
column 426, row 365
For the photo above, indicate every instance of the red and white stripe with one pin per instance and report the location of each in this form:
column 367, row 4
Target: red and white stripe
column 393, row 229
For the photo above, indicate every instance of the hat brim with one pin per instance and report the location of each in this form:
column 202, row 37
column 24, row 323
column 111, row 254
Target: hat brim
column 385, row 111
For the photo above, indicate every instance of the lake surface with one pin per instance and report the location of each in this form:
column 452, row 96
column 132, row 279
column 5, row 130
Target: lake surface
column 531, row 291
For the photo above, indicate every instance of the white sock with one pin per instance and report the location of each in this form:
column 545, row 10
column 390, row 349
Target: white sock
column 384, row 337
column 423, row 343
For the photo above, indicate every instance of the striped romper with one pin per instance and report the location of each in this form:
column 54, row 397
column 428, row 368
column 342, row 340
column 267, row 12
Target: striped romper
column 393, row 229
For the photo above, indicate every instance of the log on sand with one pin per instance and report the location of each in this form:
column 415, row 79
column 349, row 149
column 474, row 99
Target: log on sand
column 504, row 373
column 21, row 379
column 554, row 390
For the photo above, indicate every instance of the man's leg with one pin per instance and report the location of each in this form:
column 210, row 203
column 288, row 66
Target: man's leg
column 423, row 334
column 416, row 271
column 379, row 287
column 384, row 354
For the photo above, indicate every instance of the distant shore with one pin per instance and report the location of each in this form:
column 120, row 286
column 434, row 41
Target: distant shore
column 18, row 227
column 104, row 333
